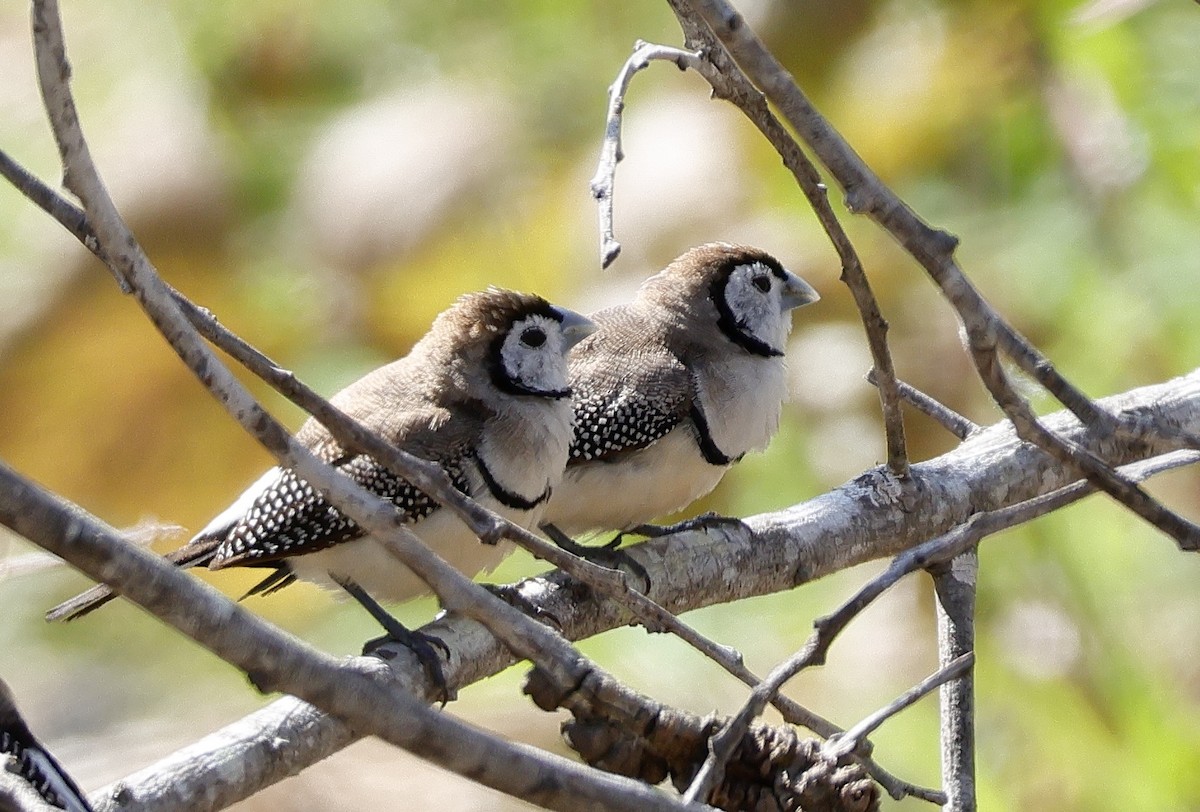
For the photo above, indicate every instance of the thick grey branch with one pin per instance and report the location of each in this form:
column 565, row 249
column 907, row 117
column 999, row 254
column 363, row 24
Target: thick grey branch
column 874, row 516
column 358, row 691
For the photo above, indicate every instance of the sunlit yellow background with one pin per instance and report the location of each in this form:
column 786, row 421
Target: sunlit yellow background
column 328, row 176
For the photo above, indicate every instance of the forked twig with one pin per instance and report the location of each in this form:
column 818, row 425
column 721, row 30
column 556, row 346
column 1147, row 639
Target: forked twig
column 924, row 555
column 853, row 738
column 950, row 420
column 610, row 150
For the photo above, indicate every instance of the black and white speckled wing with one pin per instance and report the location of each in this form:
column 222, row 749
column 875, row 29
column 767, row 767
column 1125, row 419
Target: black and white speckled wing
column 289, row 517
column 282, row 515
column 611, row 421
column 627, row 391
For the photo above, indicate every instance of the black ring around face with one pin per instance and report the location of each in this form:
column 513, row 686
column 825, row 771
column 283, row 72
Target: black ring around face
column 727, row 322
column 500, row 377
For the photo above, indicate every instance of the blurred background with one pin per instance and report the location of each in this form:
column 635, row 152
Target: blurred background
column 328, row 176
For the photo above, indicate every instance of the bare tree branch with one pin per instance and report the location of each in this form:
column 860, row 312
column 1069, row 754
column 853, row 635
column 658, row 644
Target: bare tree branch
column 774, row 767
column 950, row 420
column 864, row 519
column 955, row 583
column 986, row 330
column 610, row 150
column 853, row 738
column 734, row 86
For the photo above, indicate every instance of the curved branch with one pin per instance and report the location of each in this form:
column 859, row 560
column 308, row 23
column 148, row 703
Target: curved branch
column 865, row 519
column 987, row 331
column 610, row 150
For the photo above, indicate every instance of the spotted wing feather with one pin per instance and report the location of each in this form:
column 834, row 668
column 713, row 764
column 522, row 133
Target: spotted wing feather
column 291, row 518
column 628, row 391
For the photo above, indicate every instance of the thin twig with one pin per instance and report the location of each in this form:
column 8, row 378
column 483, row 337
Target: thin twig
column 986, row 329
column 853, row 738
column 950, row 420
column 610, row 150
column 955, row 584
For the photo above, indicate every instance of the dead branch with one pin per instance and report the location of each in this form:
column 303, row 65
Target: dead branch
column 857, row 522
column 715, row 26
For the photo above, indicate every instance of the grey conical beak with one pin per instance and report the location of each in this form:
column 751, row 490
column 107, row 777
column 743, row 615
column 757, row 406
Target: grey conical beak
column 797, row 292
column 575, row 327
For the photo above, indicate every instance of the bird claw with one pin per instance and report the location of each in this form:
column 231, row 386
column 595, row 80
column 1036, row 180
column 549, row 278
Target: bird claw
column 424, row 647
column 614, row 558
column 705, row 521
column 607, row 555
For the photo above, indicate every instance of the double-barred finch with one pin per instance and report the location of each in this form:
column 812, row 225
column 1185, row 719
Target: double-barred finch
column 34, row 763
column 484, row 394
column 676, row 386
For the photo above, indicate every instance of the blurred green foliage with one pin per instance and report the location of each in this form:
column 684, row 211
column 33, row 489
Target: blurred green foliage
column 1058, row 140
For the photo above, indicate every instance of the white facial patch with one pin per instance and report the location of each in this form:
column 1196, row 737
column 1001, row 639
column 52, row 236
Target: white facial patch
column 533, row 354
column 754, row 295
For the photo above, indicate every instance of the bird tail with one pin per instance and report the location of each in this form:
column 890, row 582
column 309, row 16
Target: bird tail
column 197, row 552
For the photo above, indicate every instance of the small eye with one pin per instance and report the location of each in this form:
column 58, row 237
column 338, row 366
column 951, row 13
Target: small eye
column 762, row 282
column 533, row 337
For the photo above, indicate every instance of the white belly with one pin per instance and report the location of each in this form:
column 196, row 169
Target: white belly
column 646, row 484
column 527, row 456
column 742, row 397
column 367, row 563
